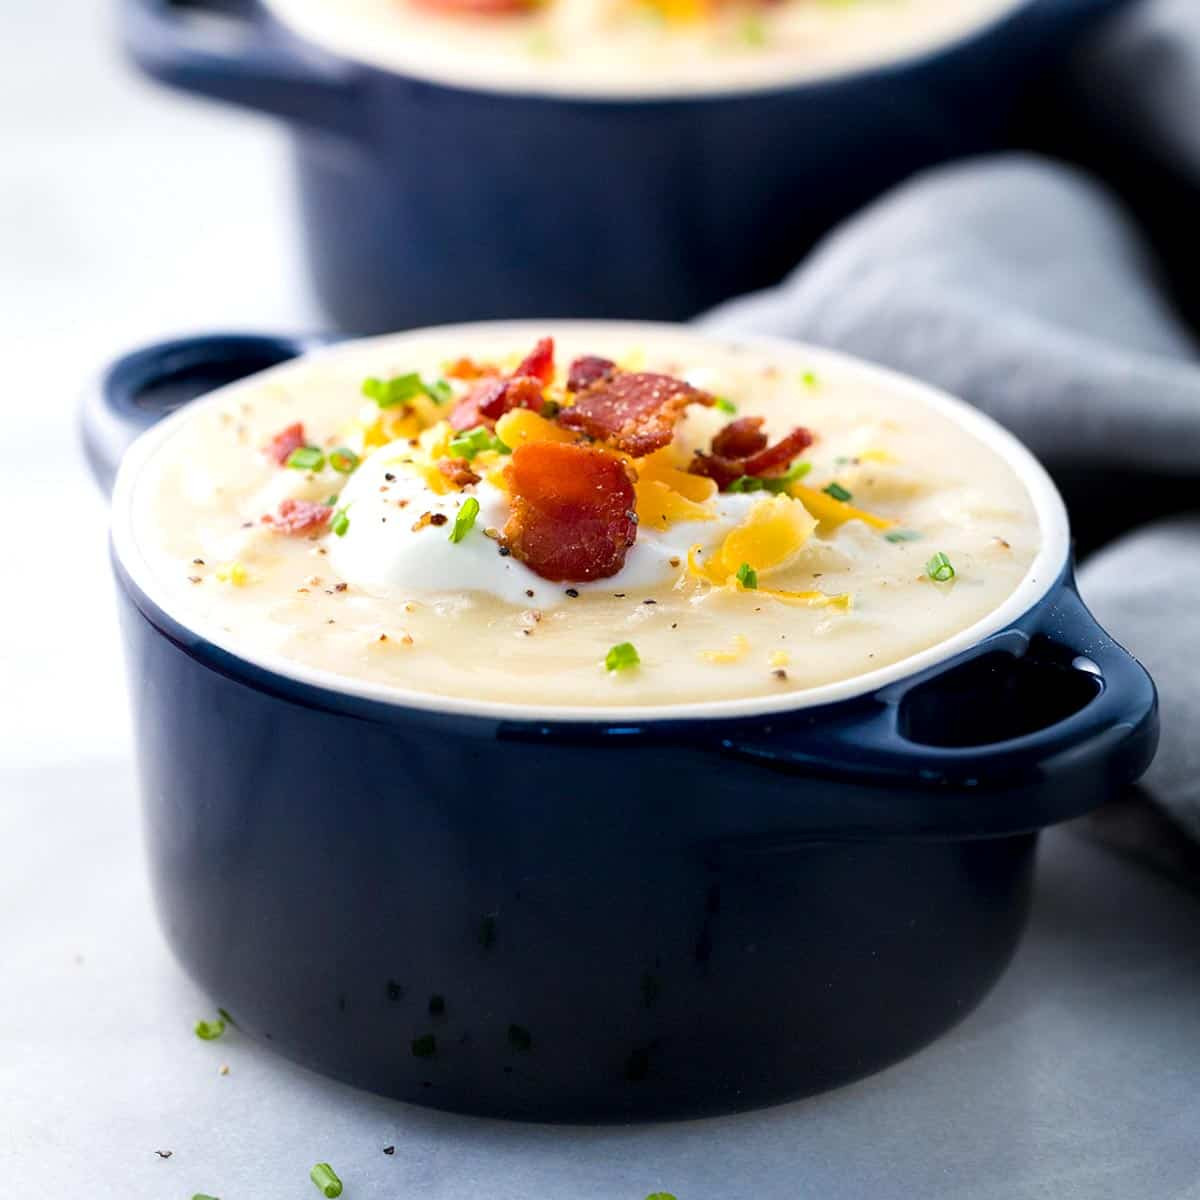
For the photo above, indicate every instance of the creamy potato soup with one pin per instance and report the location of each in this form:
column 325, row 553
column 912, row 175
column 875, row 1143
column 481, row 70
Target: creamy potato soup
column 615, row 516
column 614, row 46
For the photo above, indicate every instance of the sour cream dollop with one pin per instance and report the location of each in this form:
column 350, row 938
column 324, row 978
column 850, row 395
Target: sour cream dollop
column 390, row 547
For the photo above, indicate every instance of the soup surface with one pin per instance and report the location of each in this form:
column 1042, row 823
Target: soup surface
column 618, row 516
column 615, row 46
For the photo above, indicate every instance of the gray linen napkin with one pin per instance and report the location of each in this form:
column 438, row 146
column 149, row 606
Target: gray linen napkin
column 1022, row 286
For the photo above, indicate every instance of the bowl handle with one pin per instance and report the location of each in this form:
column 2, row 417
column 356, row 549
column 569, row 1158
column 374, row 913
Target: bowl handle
column 227, row 50
column 1099, row 736
column 141, row 387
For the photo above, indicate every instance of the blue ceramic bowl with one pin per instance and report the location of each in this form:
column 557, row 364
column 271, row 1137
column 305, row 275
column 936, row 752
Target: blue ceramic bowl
column 426, row 199
column 647, row 914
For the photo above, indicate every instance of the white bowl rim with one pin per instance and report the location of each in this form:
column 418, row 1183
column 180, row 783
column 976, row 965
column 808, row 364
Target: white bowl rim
column 1044, row 572
column 468, row 74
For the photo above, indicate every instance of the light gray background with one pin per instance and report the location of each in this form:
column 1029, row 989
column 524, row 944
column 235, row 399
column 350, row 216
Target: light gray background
column 126, row 214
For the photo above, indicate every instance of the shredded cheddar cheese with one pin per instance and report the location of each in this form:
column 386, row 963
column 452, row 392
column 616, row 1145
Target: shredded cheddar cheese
column 831, row 512
column 736, row 652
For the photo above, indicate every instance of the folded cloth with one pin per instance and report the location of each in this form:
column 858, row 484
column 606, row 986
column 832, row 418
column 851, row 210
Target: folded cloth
column 1021, row 286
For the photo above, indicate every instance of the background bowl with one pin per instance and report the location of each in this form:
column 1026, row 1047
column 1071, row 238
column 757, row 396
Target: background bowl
column 603, row 915
column 425, row 201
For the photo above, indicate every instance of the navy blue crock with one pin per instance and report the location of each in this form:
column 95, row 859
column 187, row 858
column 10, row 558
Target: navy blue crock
column 559, row 920
column 424, row 203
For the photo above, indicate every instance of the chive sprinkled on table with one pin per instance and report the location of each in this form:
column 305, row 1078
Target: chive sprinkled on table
column 209, row 1031
column 324, row 1176
column 465, row 520
column 940, row 569
column 622, row 657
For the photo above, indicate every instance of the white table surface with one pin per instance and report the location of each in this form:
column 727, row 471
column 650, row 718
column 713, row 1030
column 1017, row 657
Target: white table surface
column 127, row 214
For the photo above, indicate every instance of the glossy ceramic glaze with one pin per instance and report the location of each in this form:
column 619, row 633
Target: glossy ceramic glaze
column 426, row 202
column 603, row 919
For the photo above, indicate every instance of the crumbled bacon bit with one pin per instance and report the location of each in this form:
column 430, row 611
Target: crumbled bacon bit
column 340, row 587
column 539, row 362
column 570, row 510
column 740, row 438
column 299, row 516
column 632, row 411
column 587, row 370
column 491, row 397
column 285, row 441
column 761, row 464
column 468, row 369
column 458, row 471
column 438, row 519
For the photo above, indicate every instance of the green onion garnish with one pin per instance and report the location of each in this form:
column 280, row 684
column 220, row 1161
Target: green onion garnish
column 902, row 535
column 209, row 1031
column 387, row 393
column 660, row 1196
column 838, row 492
column 306, row 458
column 340, row 522
column 201, row 1196
column 326, row 1179
column 467, row 512
column 725, row 405
column 940, row 569
column 747, row 576
column 343, row 460
column 809, row 378
column 471, row 443
column 622, row 657
column 775, row 484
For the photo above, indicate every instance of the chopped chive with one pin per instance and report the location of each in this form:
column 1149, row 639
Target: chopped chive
column 387, row 393
column 660, row 1196
column 463, row 523
column 809, row 379
column 474, row 441
column 306, row 458
column 331, row 499
column 902, row 535
column 340, row 522
column 324, row 1176
column 838, row 492
column 201, row 1196
column 343, row 460
column 209, row 1031
column 940, row 569
column 622, row 657
column 775, row 484
column 226, row 1017
column 725, row 405
column 747, row 576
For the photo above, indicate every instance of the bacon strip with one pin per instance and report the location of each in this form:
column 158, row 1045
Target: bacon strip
column 635, row 412
column 573, row 510
column 280, row 447
column 299, row 516
column 762, row 462
column 587, row 370
column 490, row 398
